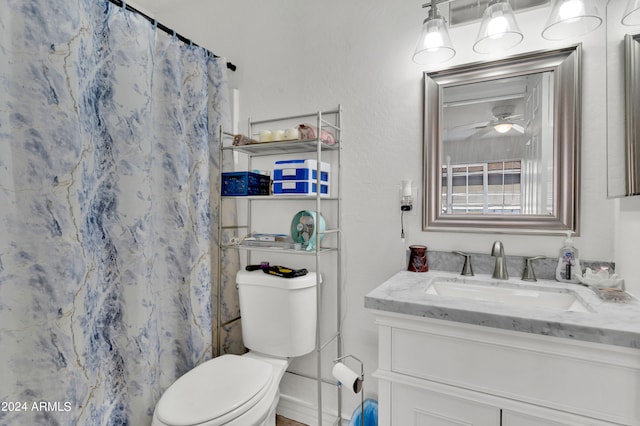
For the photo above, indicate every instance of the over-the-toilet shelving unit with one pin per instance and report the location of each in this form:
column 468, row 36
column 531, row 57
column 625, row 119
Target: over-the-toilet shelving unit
column 315, row 149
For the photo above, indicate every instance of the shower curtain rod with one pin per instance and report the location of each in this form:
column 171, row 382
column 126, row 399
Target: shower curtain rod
column 166, row 29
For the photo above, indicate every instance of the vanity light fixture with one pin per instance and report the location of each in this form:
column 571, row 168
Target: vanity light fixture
column 632, row 13
column 499, row 30
column 434, row 45
column 571, row 18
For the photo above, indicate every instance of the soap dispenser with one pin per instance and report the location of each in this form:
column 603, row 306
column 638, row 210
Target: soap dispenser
column 568, row 262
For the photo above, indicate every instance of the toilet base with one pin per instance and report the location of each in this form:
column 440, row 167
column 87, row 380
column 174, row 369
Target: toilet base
column 250, row 419
column 271, row 417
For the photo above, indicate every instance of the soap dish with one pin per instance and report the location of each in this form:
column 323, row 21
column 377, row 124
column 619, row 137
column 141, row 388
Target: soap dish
column 601, row 279
column 613, row 295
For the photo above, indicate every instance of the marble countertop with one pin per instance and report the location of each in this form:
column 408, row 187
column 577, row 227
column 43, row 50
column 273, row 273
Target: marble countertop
column 608, row 322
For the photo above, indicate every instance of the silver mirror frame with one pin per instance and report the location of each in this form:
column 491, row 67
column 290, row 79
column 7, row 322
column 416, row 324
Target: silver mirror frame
column 567, row 100
column 632, row 113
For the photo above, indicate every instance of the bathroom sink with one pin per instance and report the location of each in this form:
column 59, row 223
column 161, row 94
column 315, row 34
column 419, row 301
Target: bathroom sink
column 530, row 296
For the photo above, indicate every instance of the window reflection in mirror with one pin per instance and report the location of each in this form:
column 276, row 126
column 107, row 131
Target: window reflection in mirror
column 497, row 146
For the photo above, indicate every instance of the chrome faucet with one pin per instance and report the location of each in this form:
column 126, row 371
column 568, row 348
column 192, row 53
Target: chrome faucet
column 467, row 269
column 529, row 274
column 500, row 270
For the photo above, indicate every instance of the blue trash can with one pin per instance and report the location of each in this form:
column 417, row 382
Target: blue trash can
column 370, row 413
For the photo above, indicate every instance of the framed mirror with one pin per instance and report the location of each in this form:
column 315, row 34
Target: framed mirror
column 632, row 113
column 623, row 106
column 501, row 145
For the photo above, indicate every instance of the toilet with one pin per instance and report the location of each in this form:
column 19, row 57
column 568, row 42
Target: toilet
column 278, row 323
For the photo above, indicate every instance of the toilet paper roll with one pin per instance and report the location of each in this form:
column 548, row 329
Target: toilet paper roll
column 347, row 377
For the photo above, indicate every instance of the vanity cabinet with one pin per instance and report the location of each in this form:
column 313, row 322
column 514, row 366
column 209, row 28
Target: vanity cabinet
column 443, row 373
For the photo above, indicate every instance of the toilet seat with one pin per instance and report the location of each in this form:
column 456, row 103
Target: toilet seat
column 216, row 392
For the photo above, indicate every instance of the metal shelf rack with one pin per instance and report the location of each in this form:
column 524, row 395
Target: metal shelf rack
column 330, row 120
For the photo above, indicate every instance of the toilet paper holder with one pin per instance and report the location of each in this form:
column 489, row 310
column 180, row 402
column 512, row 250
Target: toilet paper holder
column 347, row 377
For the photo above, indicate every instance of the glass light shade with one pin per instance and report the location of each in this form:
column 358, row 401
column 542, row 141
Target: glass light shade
column 632, row 13
column 571, row 18
column 499, row 30
column 503, row 127
column 434, row 45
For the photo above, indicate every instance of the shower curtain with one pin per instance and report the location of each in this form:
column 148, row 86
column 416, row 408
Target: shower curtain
column 108, row 159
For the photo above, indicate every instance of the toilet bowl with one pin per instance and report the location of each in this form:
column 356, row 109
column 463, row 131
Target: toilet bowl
column 278, row 322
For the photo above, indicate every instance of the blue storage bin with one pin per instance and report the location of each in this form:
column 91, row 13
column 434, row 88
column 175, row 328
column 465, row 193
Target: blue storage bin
column 245, row 183
column 299, row 188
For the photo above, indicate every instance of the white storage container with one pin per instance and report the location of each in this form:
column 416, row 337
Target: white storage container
column 299, row 177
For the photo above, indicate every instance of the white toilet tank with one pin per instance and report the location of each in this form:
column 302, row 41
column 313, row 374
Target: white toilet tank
column 278, row 314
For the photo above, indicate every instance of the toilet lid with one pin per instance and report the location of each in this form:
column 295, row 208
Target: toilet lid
column 227, row 385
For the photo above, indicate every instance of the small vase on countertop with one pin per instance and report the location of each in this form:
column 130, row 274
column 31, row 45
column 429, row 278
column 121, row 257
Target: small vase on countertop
column 418, row 259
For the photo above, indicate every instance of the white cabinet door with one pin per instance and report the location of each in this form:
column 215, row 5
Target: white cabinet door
column 547, row 418
column 519, row 419
column 420, row 407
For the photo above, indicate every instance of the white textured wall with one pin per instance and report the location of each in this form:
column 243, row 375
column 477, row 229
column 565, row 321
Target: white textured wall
column 297, row 56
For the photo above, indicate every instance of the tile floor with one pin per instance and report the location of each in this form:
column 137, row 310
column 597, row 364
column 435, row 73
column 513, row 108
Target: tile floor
column 283, row 421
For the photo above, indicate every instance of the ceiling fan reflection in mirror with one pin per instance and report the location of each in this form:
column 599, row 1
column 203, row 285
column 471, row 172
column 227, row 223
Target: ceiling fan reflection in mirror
column 504, row 121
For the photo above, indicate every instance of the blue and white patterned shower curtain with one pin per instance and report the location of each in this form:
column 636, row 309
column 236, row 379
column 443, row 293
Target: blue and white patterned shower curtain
column 108, row 151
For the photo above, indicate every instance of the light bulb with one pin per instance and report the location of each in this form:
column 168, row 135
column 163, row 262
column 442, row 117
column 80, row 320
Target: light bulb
column 497, row 27
column 571, row 9
column 433, row 40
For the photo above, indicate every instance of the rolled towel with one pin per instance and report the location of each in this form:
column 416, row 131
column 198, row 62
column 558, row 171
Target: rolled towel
column 307, row 131
column 239, row 140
